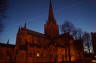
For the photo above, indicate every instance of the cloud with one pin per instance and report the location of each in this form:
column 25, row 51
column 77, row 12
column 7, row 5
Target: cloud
column 3, row 8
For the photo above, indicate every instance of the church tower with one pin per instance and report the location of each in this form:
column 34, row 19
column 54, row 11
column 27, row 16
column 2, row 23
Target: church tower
column 51, row 28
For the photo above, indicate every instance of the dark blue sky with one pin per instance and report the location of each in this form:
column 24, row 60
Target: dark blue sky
column 82, row 13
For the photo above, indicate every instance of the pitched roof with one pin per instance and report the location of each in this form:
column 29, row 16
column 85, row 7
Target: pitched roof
column 31, row 32
column 7, row 45
column 35, row 33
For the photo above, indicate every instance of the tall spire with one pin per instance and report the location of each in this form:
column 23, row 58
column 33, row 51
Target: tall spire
column 51, row 14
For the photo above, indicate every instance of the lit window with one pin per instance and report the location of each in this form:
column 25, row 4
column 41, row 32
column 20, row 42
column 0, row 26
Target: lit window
column 38, row 54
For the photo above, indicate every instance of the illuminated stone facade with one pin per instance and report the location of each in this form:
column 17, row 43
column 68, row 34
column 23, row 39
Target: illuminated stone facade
column 7, row 53
column 33, row 47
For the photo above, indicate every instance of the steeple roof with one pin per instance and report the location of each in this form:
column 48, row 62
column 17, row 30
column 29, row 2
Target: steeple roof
column 51, row 18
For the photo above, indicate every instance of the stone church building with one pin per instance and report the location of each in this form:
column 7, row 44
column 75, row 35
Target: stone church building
column 50, row 46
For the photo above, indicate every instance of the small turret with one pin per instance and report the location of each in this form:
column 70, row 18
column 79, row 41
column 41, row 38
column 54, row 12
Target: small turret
column 19, row 28
column 25, row 26
column 8, row 41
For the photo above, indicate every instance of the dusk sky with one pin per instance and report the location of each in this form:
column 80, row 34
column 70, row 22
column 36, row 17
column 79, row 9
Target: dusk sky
column 82, row 13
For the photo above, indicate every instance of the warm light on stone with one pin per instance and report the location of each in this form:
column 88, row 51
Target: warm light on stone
column 93, row 60
column 95, row 56
column 38, row 54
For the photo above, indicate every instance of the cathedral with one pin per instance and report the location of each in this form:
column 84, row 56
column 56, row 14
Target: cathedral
column 34, row 47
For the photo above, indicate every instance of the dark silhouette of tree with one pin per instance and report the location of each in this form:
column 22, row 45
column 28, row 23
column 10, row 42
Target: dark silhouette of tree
column 87, row 41
column 3, row 8
column 78, row 44
column 67, row 27
column 77, row 33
